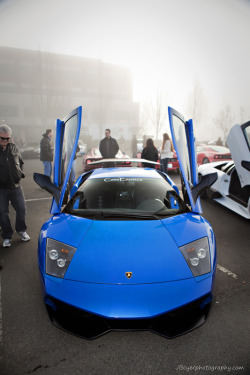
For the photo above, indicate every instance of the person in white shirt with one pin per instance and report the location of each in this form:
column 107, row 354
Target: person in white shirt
column 166, row 152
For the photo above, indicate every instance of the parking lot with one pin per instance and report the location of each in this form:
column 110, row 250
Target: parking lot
column 31, row 344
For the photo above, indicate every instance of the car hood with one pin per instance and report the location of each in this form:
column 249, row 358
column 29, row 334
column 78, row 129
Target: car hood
column 109, row 250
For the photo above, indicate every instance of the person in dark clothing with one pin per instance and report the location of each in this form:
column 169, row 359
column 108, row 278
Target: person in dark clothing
column 219, row 142
column 108, row 146
column 150, row 152
column 46, row 152
column 11, row 172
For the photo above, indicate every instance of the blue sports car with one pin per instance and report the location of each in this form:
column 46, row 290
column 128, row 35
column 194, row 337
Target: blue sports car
column 126, row 251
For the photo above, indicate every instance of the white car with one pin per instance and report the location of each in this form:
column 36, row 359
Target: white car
column 232, row 188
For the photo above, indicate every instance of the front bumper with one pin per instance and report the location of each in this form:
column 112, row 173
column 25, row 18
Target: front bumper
column 91, row 326
column 90, row 310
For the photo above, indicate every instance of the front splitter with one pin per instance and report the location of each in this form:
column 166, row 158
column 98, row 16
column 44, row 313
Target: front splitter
column 91, row 326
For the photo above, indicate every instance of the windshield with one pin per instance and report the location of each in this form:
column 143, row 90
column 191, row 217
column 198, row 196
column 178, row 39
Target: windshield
column 181, row 142
column 126, row 198
column 246, row 131
column 68, row 144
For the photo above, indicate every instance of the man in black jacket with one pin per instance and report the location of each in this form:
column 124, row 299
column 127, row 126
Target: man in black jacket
column 46, row 152
column 108, row 146
column 11, row 172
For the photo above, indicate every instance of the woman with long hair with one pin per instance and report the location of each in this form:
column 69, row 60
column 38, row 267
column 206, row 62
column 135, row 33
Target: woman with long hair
column 149, row 153
column 166, row 152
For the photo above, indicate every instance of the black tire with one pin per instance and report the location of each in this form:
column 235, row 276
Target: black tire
column 205, row 161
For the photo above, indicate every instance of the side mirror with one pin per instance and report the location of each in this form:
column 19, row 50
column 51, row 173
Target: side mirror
column 45, row 183
column 205, row 182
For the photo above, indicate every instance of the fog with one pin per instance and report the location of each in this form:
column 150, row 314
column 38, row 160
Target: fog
column 190, row 54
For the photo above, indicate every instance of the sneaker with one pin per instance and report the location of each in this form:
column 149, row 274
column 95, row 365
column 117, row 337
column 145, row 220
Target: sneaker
column 24, row 235
column 7, row 242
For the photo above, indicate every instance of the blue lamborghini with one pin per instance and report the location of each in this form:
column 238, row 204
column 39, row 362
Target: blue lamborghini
column 126, row 251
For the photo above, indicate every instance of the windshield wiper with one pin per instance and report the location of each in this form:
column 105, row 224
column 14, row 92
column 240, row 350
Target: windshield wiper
column 99, row 214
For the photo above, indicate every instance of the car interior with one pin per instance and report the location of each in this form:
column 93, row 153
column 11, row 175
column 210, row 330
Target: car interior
column 131, row 196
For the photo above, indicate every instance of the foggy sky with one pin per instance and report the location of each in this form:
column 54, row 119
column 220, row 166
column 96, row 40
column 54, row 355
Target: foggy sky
column 164, row 42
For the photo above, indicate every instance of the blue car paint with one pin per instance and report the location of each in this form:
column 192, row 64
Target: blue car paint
column 58, row 151
column 193, row 160
column 191, row 150
column 109, row 249
column 140, row 298
column 95, row 280
column 127, row 301
column 60, row 128
column 78, row 183
column 64, row 228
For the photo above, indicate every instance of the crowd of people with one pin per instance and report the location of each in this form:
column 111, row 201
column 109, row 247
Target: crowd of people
column 11, row 172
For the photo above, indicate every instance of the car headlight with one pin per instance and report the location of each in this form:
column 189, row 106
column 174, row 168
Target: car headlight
column 58, row 257
column 197, row 256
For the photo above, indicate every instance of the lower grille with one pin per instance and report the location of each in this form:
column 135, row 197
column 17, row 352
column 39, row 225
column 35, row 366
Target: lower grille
column 90, row 326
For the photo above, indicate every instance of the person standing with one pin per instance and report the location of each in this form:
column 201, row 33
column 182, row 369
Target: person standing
column 166, row 152
column 219, row 142
column 46, row 152
column 108, row 146
column 11, row 172
column 149, row 152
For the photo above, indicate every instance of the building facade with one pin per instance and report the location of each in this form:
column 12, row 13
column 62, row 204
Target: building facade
column 38, row 87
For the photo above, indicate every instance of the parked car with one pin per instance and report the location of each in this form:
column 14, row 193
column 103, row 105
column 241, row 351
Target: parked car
column 30, row 150
column 232, row 188
column 94, row 155
column 126, row 251
column 210, row 153
column 173, row 164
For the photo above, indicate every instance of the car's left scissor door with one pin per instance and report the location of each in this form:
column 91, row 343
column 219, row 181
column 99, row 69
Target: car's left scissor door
column 66, row 139
column 184, row 144
column 238, row 141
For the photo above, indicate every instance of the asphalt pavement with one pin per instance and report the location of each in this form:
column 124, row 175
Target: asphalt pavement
column 30, row 344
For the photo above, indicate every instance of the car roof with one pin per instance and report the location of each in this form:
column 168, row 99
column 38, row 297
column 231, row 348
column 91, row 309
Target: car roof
column 123, row 172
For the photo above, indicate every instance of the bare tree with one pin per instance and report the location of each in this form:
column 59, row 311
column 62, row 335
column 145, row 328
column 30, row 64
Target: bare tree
column 243, row 115
column 154, row 113
column 196, row 104
column 225, row 120
column 99, row 107
column 144, row 118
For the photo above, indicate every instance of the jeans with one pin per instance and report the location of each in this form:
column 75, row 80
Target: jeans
column 164, row 165
column 16, row 198
column 47, row 168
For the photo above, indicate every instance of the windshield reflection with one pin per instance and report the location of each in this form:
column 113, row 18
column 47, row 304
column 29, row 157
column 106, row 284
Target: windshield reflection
column 126, row 198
